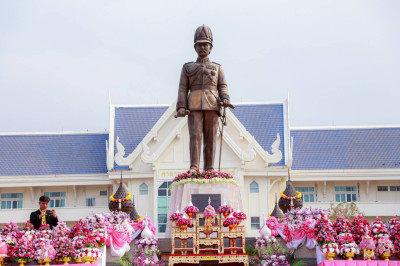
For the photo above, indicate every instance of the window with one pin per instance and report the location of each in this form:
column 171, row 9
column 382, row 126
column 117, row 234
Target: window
column 307, row 193
column 255, row 223
column 143, row 189
column 57, row 199
column 394, row 188
column 11, row 200
column 103, row 193
column 383, row 188
column 90, row 202
column 164, row 195
column 346, row 194
column 254, row 187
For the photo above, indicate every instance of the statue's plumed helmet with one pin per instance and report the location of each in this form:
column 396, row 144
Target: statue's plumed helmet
column 203, row 34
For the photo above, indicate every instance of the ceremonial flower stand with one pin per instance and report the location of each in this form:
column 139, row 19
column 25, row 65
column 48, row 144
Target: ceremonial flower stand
column 207, row 246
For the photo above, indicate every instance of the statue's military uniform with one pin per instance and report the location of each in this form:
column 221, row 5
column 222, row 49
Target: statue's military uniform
column 201, row 88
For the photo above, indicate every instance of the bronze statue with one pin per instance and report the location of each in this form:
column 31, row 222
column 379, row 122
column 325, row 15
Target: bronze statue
column 202, row 92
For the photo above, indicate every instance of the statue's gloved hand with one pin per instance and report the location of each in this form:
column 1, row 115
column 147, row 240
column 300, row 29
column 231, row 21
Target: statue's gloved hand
column 182, row 112
column 225, row 102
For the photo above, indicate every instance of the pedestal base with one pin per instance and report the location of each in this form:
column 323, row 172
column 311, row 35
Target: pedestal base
column 197, row 258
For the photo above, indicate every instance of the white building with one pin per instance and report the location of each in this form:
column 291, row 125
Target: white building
column 149, row 146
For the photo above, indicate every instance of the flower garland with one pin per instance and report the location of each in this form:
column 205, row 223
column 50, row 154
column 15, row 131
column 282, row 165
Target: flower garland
column 203, row 177
column 298, row 196
column 121, row 200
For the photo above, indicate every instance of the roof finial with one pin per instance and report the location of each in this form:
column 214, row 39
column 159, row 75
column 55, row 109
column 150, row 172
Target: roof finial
column 121, row 178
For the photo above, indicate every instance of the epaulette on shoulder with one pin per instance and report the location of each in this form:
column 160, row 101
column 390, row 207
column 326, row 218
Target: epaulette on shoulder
column 216, row 63
column 188, row 63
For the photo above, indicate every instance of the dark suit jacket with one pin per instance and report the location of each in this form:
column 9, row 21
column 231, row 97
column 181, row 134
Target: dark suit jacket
column 50, row 220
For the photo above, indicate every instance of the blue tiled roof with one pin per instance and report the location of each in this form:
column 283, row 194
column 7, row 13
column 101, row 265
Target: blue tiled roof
column 263, row 121
column 51, row 154
column 363, row 148
column 133, row 123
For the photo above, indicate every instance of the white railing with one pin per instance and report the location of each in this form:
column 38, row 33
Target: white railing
column 368, row 208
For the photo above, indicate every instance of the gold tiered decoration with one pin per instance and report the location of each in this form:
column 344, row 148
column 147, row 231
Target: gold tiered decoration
column 207, row 242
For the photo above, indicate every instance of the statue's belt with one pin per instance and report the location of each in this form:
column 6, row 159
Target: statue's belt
column 211, row 89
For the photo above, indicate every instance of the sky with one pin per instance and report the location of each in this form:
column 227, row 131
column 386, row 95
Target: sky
column 63, row 62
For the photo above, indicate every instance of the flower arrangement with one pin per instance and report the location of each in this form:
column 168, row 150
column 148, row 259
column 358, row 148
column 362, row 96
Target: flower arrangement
column 3, row 249
column 147, row 244
column 44, row 227
column 141, row 258
column 348, row 248
column 230, row 221
column 184, row 221
column 120, row 222
column 367, row 245
column 392, row 223
column 384, row 245
column 11, row 233
column 270, row 253
column 379, row 229
column 294, row 218
column 324, row 231
column 28, row 226
column 23, row 250
column 360, row 227
column 209, row 211
column 175, row 216
column 145, row 251
column 61, row 241
column 204, row 177
column 225, row 208
column 280, row 260
column 191, row 209
column 96, row 222
column 44, row 249
column 318, row 213
column 80, row 228
column 239, row 215
column 78, row 243
column 342, row 225
column 264, row 241
column 330, row 247
column 396, row 236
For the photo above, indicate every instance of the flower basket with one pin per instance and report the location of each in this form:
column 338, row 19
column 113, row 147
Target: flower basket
column 240, row 216
column 175, row 216
column 225, row 210
column 231, row 222
column 330, row 250
column 184, row 223
column 191, row 210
